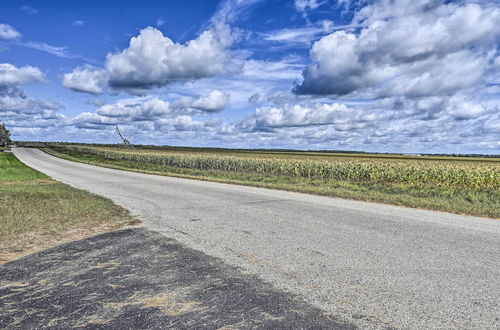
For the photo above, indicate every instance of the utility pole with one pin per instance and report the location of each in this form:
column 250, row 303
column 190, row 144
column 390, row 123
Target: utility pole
column 126, row 142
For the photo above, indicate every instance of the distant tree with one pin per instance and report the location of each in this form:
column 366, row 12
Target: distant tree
column 4, row 136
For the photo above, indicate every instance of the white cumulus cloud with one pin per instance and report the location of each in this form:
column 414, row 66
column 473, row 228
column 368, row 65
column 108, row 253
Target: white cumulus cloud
column 297, row 115
column 8, row 32
column 85, row 79
column 19, row 110
column 136, row 109
column 215, row 102
column 407, row 48
column 12, row 75
column 153, row 59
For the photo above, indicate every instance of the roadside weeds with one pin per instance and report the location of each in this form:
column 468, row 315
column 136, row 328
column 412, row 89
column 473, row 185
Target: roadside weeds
column 37, row 212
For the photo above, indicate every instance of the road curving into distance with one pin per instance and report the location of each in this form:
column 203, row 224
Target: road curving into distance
column 372, row 265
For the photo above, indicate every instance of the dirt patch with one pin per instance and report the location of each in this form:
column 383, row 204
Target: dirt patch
column 39, row 241
column 168, row 304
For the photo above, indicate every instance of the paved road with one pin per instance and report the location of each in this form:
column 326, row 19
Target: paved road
column 375, row 266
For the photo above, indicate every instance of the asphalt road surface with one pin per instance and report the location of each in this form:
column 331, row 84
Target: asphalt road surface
column 138, row 279
column 371, row 265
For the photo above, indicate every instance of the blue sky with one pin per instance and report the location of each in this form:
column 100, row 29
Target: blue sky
column 385, row 76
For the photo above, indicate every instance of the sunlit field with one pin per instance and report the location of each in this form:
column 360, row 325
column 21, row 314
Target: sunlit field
column 455, row 184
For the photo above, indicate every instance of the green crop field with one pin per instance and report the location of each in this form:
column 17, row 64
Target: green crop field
column 461, row 185
column 37, row 212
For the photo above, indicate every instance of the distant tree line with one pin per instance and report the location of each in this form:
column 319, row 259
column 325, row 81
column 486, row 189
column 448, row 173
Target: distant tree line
column 40, row 144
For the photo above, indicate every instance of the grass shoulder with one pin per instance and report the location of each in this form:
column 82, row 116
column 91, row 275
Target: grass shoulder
column 37, row 212
column 484, row 203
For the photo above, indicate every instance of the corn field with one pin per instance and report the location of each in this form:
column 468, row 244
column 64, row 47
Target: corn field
column 476, row 175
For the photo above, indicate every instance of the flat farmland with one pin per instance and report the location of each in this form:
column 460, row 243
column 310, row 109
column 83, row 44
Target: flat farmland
column 463, row 185
column 394, row 266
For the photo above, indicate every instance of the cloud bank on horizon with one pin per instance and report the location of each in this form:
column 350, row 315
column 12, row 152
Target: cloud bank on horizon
column 387, row 76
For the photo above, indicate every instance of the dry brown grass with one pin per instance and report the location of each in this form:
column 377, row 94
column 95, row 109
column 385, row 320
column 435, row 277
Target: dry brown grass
column 37, row 212
column 168, row 304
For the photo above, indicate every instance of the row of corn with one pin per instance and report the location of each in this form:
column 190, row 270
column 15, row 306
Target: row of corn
column 409, row 172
